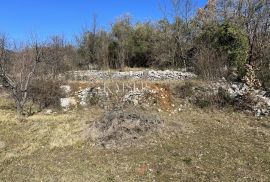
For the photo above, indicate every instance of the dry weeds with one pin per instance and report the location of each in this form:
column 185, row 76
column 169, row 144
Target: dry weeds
column 195, row 145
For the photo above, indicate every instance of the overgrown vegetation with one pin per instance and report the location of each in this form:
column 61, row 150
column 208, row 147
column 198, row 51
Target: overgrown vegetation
column 45, row 93
column 140, row 131
column 215, row 41
column 228, row 42
column 194, row 145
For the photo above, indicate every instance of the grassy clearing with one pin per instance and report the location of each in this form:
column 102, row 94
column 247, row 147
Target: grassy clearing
column 194, row 145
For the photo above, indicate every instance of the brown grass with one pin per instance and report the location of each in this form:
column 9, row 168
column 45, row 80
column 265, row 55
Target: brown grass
column 194, row 145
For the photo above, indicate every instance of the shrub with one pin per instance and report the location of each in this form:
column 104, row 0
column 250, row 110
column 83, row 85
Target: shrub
column 203, row 102
column 220, row 100
column 263, row 72
column 243, row 103
column 210, row 64
column 45, row 93
column 230, row 40
column 223, row 98
column 184, row 91
column 234, row 41
column 92, row 99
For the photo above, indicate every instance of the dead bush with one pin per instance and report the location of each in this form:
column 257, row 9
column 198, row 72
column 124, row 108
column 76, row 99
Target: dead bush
column 184, row 91
column 45, row 93
column 209, row 64
column 122, row 127
column 223, row 100
column 220, row 100
column 243, row 103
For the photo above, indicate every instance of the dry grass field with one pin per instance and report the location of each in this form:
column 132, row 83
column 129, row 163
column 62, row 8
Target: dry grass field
column 194, row 145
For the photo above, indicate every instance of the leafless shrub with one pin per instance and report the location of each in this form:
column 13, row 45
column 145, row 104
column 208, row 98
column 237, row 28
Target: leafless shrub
column 45, row 93
column 209, row 64
column 223, row 100
column 184, row 91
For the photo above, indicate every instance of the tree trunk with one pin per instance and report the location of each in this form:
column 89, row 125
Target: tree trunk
column 19, row 108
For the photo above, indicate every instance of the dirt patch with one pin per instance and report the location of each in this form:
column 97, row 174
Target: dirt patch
column 163, row 95
column 118, row 128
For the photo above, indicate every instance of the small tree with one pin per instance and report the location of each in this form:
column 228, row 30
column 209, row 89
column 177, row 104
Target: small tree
column 17, row 69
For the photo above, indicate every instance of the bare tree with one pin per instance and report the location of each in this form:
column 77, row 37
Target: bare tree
column 88, row 45
column 17, row 68
column 103, row 49
column 181, row 12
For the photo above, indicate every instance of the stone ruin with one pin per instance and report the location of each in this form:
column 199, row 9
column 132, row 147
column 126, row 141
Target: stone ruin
column 159, row 96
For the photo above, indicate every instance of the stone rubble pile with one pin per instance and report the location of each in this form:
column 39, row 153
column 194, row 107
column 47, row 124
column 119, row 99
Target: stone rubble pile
column 84, row 94
column 139, row 96
column 250, row 78
column 259, row 98
column 132, row 75
column 242, row 97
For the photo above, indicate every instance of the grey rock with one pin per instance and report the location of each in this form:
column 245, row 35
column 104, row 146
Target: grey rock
column 48, row 111
column 66, row 88
column 134, row 75
column 67, row 102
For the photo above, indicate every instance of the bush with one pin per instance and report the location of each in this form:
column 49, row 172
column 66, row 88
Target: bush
column 184, row 91
column 263, row 72
column 220, row 100
column 92, row 99
column 45, row 93
column 230, row 40
column 203, row 102
column 210, row 64
column 234, row 41
column 243, row 103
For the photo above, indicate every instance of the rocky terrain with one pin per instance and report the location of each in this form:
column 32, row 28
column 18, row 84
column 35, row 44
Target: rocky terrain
column 141, row 130
column 256, row 101
column 137, row 91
